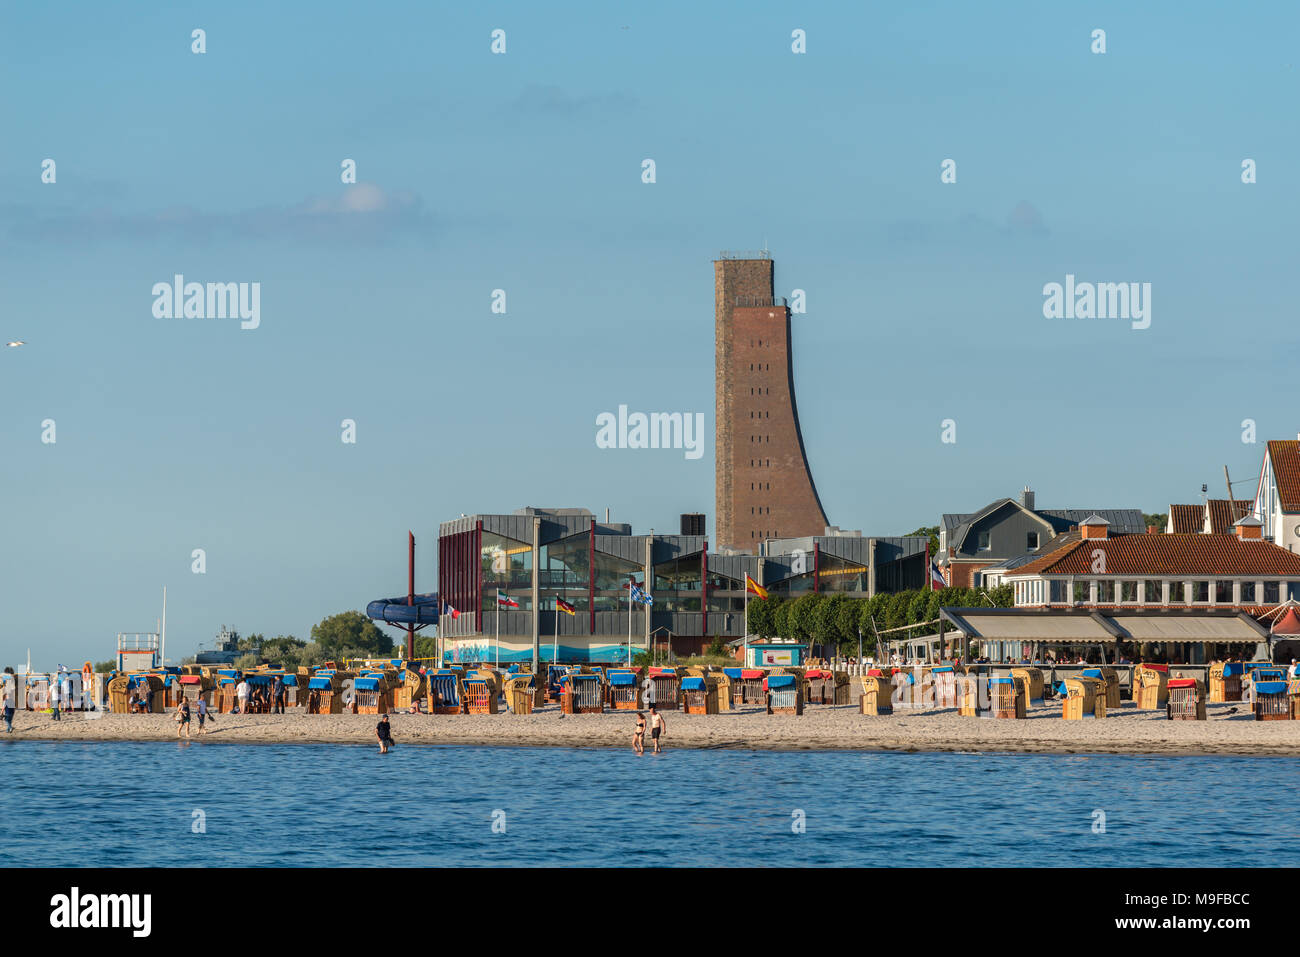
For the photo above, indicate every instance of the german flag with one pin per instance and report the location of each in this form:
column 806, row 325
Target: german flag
column 564, row 606
column 754, row 588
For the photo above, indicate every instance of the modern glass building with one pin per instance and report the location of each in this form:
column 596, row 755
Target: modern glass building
column 540, row 557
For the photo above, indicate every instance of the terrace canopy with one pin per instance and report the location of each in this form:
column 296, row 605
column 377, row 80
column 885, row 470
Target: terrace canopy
column 1014, row 628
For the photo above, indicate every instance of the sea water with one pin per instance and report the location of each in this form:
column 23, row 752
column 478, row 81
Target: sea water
column 204, row 804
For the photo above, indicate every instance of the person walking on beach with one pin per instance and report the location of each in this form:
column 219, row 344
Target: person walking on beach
column 384, row 734
column 241, row 692
column 203, row 713
column 638, row 736
column 657, row 726
column 183, row 717
column 54, row 697
column 8, row 692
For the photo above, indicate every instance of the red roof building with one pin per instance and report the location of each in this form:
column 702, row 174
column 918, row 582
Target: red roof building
column 1093, row 568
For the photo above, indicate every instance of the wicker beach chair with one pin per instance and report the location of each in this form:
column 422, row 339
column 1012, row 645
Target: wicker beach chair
column 784, row 694
column 1033, row 678
column 699, row 695
column 968, row 695
column 1271, row 702
column 444, row 692
column 945, row 686
column 1005, row 698
column 624, row 691
column 582, row 694
column 1151, row 686
column 480, row 696
column 1225, row 680
column 371, row 695
column 1084, row 698
column 877, row 695
column 665, row 688
column 1186, row 700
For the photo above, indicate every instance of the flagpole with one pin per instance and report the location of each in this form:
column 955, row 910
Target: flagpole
column 498, row 638
column 744, row 659
column 629, row 621
column 555, row 643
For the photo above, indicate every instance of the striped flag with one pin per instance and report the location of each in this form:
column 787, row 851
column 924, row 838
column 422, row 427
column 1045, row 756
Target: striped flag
column 449, row 610
column 506, row 600
column 639, row 595
column 754, row 588
column 564, row 606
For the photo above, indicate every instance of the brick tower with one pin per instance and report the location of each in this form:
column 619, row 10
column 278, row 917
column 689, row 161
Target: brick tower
column 764, row 486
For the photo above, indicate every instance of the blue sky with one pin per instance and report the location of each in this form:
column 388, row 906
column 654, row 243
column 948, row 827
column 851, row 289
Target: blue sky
column 522, row 172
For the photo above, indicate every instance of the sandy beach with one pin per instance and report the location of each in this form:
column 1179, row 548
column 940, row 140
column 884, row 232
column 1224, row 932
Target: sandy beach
column 1127, row 731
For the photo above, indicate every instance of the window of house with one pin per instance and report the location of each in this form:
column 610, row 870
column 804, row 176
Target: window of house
column 1223, row 592
column 985, row 542
column 1058, row 591
column 1201, row 591
column 1031, row 541
column 1248, row 596
column 1105, row 593
column 1128, row 591
column 1177, row 593
column 1271, row 591
column 1153, row 593
column 1082, row 590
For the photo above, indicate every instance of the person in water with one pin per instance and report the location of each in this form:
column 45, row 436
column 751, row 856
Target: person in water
column 384, row 734
column 657, row 726
column 638, row 736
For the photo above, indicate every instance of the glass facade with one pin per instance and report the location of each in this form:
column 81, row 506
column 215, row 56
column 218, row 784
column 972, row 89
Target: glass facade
column 726, row 594
column 836, row 574
column 564, row 571
column 677, row 584
column 612, row 574
column 794, row 587
column 507, row 565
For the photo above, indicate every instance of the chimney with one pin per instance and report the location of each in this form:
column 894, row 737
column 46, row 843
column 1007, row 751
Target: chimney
column 1249, row 529
column 1027, row 498
column 1094, row 526
column 1151, row 530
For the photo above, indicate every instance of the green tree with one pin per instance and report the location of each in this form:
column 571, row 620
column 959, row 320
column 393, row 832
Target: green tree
column 932, row 533
column 803, row 618
column 826, row 618
column 1159, row 519
column 847, row 622
column 760, row 616
column 350, row 633
column 781, row 619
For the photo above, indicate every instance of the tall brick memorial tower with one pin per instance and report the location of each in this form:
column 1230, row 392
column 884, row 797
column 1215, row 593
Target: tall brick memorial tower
column 764, row 488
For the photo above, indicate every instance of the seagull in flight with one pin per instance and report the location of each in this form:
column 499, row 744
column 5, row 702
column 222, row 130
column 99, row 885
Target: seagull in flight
column 15, row 343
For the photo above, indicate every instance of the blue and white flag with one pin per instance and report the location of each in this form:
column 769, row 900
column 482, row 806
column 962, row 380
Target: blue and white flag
column 639, row 595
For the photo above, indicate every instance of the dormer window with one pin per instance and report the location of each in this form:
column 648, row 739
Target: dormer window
column 985, row 543
column 1031, row 541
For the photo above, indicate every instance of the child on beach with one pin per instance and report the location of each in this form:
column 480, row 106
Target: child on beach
column 638, row 736
column 657, row 726
column 384, row 734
